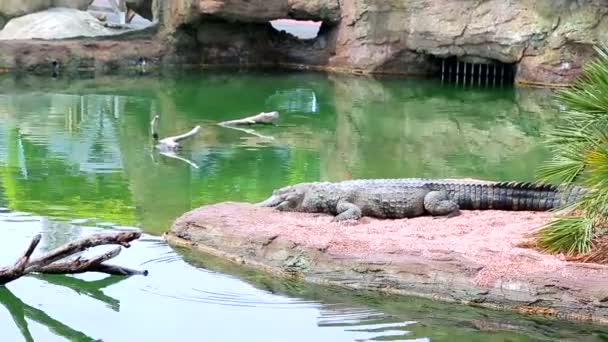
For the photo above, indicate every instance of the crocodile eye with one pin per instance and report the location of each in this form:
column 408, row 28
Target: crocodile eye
column 293, row 198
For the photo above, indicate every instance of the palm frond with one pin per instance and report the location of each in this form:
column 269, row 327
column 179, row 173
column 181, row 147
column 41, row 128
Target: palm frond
column 579, row 144
column 569, row 235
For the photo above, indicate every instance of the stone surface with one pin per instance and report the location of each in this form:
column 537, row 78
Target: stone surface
column 16, row 8
column 148, row 9
column 549, row 40
column 89, row 54
column 327, row 11
column 266, row 10
column 55, row 23
column 538, row 34
column 471, row 259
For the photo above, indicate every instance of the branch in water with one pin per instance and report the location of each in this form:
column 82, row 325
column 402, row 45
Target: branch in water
column 49, row 262
column 170, row 143
column 265, row 118
column 184, row 136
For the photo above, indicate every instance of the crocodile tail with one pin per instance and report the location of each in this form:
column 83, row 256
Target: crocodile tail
column 569, row 195
column 524, row 196
column 513, row 196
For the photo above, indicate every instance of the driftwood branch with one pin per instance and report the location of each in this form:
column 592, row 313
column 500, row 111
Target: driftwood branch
column 170, row 143
column 264, row 118
column 50, row 262
column 181, row 137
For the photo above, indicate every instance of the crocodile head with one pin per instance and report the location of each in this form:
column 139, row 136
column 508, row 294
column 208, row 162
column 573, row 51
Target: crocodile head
column 289, row 198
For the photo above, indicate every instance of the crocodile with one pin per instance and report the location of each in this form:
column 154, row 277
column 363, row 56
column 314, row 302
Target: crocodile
column 412, row 197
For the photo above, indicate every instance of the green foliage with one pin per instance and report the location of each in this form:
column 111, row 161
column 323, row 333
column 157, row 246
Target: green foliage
column 571, row 235
column 579, row 145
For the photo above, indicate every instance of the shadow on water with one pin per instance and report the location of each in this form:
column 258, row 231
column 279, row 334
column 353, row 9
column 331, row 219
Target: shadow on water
column 387, row 317
column 20, row 311
column 93, row 289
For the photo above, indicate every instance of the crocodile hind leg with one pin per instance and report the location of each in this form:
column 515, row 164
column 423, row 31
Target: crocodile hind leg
column 437, row 203
column 347, row 211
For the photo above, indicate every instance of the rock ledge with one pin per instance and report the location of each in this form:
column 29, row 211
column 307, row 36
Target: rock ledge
column 471, row 259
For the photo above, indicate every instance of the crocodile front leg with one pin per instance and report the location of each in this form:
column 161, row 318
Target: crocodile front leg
column 347, row 211
column 437, row 203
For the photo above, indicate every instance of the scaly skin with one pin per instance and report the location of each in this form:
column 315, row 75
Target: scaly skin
column 411, row 197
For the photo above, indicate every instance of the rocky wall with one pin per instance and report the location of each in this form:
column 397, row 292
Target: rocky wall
column 548, row 40
column 475, row 258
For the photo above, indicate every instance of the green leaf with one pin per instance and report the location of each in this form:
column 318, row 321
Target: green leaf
column 579, row 144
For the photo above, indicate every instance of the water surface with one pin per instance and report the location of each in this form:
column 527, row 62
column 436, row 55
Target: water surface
column 76, row 157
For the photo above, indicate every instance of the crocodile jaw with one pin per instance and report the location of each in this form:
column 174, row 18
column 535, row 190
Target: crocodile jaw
column 272, row 201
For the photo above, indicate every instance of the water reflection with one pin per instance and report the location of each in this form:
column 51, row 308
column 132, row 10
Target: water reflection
column 365, row 128
column 77, row 156
column 373, row 317
column 300, row 101
column 20, row 311
column 93, row 289
column 414, row 131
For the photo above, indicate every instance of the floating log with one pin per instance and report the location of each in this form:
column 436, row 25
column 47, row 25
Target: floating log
column 264, row 118
column 50, row 263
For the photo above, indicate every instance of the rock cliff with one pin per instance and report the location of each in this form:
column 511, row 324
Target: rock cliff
column 542, row 41
column 548, row 40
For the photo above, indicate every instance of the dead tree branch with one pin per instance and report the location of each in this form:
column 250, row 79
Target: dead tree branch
column 170, row 143
column 265, row 118
column 50, row 262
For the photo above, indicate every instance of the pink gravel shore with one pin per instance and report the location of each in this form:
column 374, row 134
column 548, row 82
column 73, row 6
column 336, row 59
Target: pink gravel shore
column 473, row 258
column 488, row 237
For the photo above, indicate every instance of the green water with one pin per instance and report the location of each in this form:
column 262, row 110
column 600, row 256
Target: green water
column 76, row 157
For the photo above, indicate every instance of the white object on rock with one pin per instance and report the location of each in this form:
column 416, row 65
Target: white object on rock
column 55, row 23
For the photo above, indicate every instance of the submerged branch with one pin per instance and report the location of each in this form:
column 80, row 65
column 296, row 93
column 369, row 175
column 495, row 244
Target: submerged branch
column 175, row 156
column 252, row 132
column 49, row 262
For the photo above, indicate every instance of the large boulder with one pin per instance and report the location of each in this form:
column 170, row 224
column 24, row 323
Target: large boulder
column 55, row 23
column 16, row 8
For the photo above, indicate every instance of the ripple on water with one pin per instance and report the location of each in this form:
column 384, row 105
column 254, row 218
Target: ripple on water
column 164, row 258
column 255, row 300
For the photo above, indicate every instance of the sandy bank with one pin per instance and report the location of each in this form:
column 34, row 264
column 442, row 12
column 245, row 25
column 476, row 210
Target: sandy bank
column 471, row 259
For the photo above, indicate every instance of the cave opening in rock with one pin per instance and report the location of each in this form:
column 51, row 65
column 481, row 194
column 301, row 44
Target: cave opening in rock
column 475, row 72
column 302, row 29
